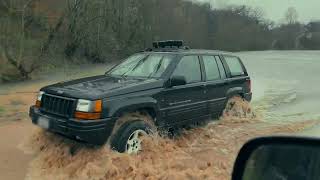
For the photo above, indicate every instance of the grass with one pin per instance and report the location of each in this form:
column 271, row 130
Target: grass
column 1, row 110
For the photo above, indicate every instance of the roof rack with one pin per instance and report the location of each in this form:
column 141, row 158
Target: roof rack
column 168, row 45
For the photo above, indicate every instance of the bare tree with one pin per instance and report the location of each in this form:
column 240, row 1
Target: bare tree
column 103, row 30
column 291, row 15
column 18, row 61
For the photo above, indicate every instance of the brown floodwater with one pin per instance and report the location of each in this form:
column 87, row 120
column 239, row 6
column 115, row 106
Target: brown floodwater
column 201, row 153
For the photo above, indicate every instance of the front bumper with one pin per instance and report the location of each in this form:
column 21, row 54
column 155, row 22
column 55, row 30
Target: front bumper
column 94, row 132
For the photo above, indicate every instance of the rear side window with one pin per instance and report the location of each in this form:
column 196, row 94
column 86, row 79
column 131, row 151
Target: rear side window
column 211, row 66
column 221, row 68
column 235, row 66
column 189, row 67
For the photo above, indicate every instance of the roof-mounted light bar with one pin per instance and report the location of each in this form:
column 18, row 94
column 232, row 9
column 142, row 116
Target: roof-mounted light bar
column 168, row 44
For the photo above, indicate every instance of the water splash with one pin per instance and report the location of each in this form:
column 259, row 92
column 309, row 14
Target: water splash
column 200, row 153
column 238, row 111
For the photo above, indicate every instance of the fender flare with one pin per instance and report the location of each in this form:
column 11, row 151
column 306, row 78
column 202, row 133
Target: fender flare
column 234, row 91
column 133, row 104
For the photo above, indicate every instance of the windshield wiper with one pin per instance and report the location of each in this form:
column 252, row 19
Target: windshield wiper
column 157, row 69
column 135, row 67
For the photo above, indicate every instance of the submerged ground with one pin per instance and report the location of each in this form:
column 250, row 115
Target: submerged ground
column 285, row 99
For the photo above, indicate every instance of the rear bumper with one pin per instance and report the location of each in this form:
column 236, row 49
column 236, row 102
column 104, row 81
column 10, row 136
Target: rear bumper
column 248, row 96
column 94, row 132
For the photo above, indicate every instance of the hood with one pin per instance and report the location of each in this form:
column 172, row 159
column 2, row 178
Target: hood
column 98, row 87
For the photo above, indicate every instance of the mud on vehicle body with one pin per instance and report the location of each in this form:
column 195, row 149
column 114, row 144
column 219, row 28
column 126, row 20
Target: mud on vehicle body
column 171, row 85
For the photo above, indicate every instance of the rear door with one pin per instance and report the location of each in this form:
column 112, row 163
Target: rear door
column 186, row 102
column 215, row 77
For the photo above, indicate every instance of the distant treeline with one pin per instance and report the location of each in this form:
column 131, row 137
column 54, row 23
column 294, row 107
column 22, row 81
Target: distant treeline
column 43, row 33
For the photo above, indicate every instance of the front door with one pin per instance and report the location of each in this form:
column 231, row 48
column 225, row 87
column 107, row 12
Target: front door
column 186, row 102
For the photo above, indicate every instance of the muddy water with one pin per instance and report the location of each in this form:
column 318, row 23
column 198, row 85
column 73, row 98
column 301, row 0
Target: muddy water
column 201, row 153
column 285, row 84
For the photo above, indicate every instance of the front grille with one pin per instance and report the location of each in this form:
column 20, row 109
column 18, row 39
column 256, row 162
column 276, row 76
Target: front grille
column 56, row 105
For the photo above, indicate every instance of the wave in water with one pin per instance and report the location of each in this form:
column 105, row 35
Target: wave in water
column 201, row 153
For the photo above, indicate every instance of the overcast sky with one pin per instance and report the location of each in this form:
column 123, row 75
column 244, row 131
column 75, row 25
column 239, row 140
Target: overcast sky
column 275, row 9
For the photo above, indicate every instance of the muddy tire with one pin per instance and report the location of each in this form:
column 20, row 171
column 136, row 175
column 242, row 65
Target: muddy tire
column 127, row 139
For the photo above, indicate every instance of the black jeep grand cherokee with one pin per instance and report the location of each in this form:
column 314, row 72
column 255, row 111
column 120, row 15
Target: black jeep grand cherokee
column 170, row 84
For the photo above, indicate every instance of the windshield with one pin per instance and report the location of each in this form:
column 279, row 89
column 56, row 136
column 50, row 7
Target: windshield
column 143, row 65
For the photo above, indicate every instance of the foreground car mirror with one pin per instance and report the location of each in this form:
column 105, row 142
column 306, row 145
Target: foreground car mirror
column 278, row 158
column 178, row 81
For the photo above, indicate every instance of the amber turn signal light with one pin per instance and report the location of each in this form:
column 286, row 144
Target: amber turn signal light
column 38, row 104
column 87, row 116
column 90, row 110
column 98, row 106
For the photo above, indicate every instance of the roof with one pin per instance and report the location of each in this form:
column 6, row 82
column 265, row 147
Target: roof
column 187, row 51
column 204, row 51
column 177, row 47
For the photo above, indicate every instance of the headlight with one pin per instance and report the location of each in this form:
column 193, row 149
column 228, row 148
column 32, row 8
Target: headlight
column 39, row 97
column 85, row 105
column 88, row 110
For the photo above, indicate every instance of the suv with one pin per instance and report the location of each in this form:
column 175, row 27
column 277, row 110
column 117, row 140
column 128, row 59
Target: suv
column 169, row 85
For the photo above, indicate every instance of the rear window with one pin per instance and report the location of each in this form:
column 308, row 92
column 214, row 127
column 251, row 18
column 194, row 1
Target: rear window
column 235, row 66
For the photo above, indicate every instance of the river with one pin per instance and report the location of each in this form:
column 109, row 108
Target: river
column 285, row 84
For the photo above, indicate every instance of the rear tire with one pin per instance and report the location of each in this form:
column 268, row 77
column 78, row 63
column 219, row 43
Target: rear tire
column 127, row 139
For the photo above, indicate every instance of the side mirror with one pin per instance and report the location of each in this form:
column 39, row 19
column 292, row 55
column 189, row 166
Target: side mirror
column 278, row 158
column 177, row 81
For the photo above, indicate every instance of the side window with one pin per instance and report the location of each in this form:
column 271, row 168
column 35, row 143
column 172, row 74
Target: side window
column 212, row 70
column 234, row 65
column 189, row 67
column 221, row 68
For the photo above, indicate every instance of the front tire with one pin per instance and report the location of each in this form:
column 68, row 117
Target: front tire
column 128, row 138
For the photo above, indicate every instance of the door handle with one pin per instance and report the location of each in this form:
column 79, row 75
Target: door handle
column 204, row 86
